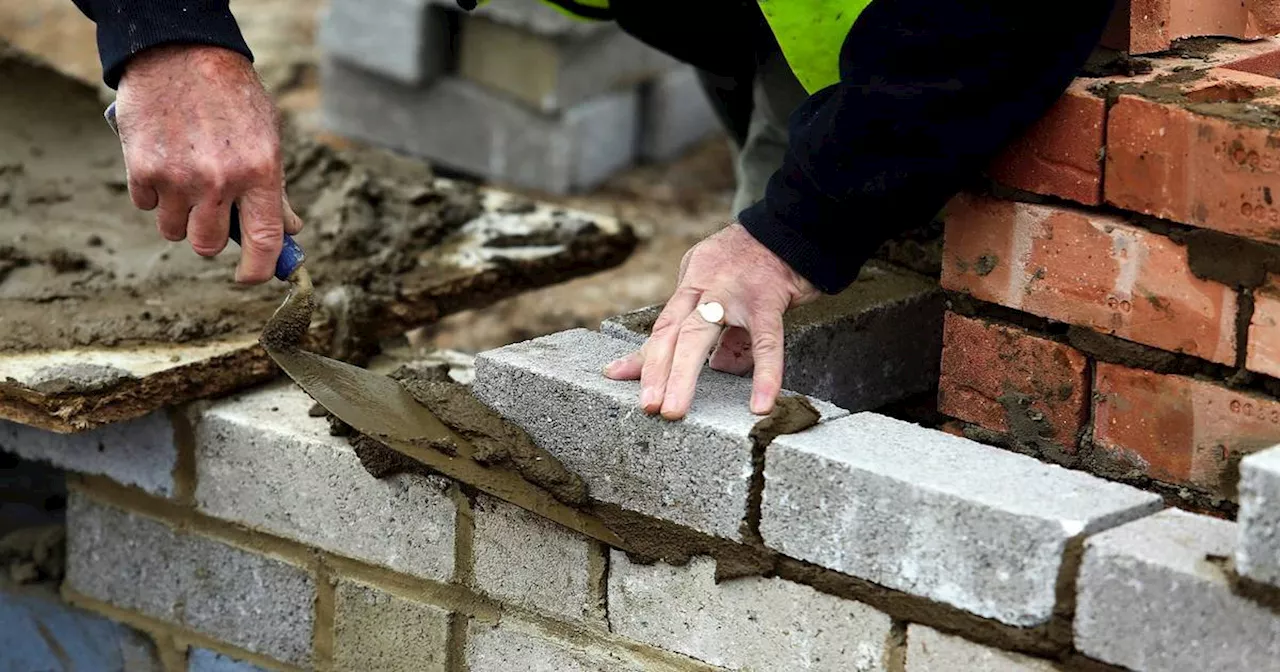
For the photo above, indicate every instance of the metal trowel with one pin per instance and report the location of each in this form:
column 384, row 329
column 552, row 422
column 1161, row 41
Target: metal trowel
column 379, row 407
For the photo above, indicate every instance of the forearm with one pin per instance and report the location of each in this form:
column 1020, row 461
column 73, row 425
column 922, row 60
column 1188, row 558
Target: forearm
column 127, row 27
column 929, row 93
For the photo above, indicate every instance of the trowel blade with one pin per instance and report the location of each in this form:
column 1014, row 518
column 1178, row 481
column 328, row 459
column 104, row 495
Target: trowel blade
column 378, row 406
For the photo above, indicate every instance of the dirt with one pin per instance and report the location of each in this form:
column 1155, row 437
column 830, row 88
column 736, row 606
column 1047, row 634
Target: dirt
column 34, row 554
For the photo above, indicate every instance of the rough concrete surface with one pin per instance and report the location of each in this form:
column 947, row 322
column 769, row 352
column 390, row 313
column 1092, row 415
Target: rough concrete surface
column 139, row 452
column 39, row 632
column 252, row 601
column 1153, row 596
column 378, row 632
column 935, row 515
column 695, row 472
column 204, row 660
column 1258, row 533
column 263, row 462
column 931, row 651
column 754, row 624
column 513, row 645
column 523, row 559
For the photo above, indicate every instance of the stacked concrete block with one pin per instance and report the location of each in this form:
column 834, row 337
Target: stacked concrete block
column 931, row 651
column 376, row 630
column 521, row 97
column 1258, row 540
column 877, row 342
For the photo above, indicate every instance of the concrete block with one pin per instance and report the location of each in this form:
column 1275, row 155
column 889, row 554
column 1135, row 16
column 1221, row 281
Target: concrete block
column 408, row 41
column 139, row 452
column 514, row 645
column 877, row 342
column 526, row 560
column 935, row 515
column 261, row 461
column 1258, row 547
column 252, row 601
column 461, row 126
column 553, row 73
column 931, row 651
column 375, row 631
column 749, row 624
column 534, row 17
column 40, row 632
column 674, row 115
column 1152, row 595
column 694, row 473
column 204, row 660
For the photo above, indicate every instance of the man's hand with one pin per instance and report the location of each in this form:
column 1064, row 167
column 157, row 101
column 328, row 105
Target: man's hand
column 755, row 287
column 199, row 133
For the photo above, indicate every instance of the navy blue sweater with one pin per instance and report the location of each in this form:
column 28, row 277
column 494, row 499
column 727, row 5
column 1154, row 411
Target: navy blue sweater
column 930, row 91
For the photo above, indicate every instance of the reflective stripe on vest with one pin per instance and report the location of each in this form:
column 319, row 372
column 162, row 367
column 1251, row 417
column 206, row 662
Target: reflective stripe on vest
column 810, row 34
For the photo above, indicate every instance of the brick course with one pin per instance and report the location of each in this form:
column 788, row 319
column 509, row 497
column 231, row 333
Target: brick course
column 1061, row 154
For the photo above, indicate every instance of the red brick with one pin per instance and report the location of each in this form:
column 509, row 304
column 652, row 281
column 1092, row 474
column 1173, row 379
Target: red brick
column 1149, row 26
column 1264, row 330
column 1167, row 160
column 1006, row 379
column 1088, row 269
column 1061, row 155
column 1180, row 430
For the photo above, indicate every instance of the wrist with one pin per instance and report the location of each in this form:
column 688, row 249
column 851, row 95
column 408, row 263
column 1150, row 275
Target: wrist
column 200, row 59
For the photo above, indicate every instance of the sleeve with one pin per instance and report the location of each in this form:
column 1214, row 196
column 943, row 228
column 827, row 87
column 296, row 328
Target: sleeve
column 126, row 27
column 930, row 92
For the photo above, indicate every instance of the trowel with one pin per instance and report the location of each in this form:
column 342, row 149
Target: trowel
column 379, row 407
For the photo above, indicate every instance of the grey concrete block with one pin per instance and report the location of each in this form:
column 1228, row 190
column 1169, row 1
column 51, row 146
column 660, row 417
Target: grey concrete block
column 694, row 473
column 535, row 17
column 261, row 461
column 38, row 632
column 252, row 601
column 514, row 645
column 877, row 342
column 139, row 452
column 745, row 624
column 931, row 651
column 934, row 515
column 409, row 41
column 526, row 560
column 674, row 115
column 1258, row 548
column 375, row 631
column 204, row 660
column 1152, row 595
column 460, row 125
column 552, row 74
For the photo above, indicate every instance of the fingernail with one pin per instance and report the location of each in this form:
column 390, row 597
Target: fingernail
column 608, row 368
column 647, row 397
column 760, row 403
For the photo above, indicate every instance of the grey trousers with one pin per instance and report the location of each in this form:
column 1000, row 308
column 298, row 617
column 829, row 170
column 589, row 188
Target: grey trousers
column 775, row 93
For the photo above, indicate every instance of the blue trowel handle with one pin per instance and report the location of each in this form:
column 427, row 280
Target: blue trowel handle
column 291, row 254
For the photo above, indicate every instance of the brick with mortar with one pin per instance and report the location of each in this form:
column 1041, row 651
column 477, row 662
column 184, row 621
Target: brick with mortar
column 1150, row 26
column 749, row 624
column 1061, row 154
column 931, row 651
column 38, row 631
column 1199, row 152
column 516, row 645
column 1152, row 595
column 140, row 452
column 1008, row 380
column 1180, row 430
column 374, row 631
column 526, row 560
column 694, row 473
column 252, row 601
column 261, row 461
column 1088, row 269
column 1264, row 330
column 1258, row 547
column 934, row 515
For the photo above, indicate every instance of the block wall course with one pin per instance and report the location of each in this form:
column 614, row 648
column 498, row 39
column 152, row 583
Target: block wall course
column 1007, row 379
column 38, row 631
column 1088, row 269
column 374, row 631
column 922, row 511
column 1152, row 595
column 1180, row 430
column 694, row 473
column 531, row 562
column 1258, row 535
column 931, row 651
column 140, row 452
column 407, row 41
column 254, row 602
column 744, row 624
column 261, row 461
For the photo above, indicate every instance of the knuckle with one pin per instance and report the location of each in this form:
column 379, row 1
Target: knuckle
column 766, row 342
column 263, row 239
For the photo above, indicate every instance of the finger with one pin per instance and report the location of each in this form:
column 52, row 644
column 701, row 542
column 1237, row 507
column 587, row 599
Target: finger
column 696, row 338
column 209, row 225
column 171, row 215
column 144, row 196
column 661, row 344
column 261, row 235
column 292, row 222
column 625, row 368
column 733, row 352
column 766, row 351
